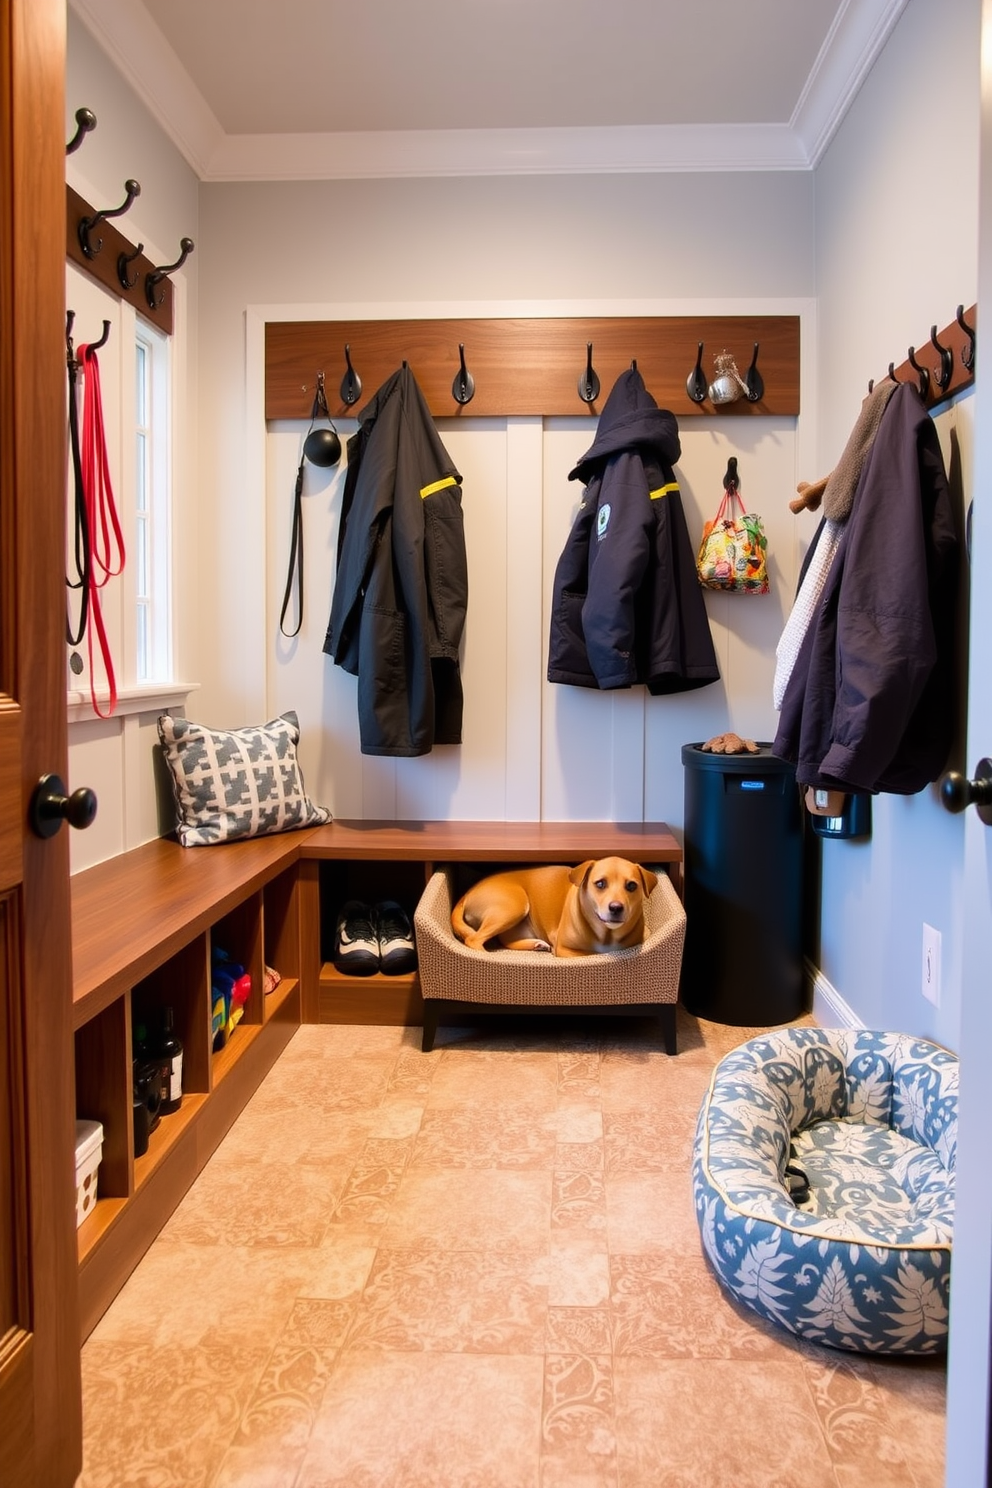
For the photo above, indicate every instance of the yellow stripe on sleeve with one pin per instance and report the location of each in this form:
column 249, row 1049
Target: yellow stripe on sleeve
column 449, row 480
column 664, row 490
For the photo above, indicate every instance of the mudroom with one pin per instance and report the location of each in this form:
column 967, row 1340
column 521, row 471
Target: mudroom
column 377, row 430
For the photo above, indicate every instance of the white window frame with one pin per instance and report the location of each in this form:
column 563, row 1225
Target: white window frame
column 152, row 435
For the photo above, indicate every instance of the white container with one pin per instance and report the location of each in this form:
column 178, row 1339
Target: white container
column 89, row 1150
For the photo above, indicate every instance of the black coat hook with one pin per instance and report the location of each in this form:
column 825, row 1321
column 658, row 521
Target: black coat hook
column 923, row 373
column 633, row 364
column 123, row 259
column 892, row 372
column 968, row 351
column 942, row 374
column 753, row 380
column 351, row 383
column 589, row 382
column 155, row 278
column 696, row 384
column 85, row 121
column 95, row 345
column 731, row 481
column 463, row 387
column 87, row 224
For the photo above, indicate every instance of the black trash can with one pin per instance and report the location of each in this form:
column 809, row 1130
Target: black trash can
column 742, row 963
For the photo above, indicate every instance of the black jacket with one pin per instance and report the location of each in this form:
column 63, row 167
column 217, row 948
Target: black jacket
column 627, row 605
column 401, row 589
column 870, row 702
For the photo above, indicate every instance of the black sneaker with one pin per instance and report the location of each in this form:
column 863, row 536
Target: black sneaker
column 396, row 949
column 356, row 945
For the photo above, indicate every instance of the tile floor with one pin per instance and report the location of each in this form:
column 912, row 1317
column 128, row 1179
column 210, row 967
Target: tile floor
column 476, row 1268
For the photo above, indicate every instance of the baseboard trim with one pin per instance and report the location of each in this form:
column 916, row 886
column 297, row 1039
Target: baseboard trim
column 829, row 1008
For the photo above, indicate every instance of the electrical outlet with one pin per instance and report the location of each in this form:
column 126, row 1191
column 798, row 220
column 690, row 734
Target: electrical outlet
column 931, row 965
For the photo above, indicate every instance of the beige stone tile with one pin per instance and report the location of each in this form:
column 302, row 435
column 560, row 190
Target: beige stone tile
column 403, row 1420
column 452, row 1301
column 914, row 1392
column 579, row 1330
column 470, row 1209
column 708, row 1423
column 578, row 1121
column 485, row 1137
column 578, row 1434
column 580, row 1157
column 860, row 1435
column 398, row 1116
column 293, row 1135
column 263, row 1204
column 183, row 1293
column 578, row 1271
column 651, row 1212
column 652, row 1082
column 671, row 1306
column 335, row 1086
column 648, row 1141
column 271, row 1439
column 578, row 1203
column 495, row 1078
column 367, row 1195
column 162, row 1416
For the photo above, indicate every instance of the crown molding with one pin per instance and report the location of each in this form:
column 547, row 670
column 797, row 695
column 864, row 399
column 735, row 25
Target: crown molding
column 495, row 152
column 854, row 41
column 140, row 52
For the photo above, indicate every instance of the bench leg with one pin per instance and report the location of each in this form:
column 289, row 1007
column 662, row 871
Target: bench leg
column 430, row 1025
column 666, row 1017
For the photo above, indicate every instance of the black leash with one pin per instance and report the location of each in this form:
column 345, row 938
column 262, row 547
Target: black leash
column 324, row 454
column 295, row 575
column 82, row 556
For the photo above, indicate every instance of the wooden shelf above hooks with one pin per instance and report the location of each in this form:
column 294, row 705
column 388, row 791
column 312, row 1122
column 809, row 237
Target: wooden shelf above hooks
column 530, row 367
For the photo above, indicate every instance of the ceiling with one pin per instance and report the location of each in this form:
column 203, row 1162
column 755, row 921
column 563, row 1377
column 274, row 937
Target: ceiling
column 254, row 89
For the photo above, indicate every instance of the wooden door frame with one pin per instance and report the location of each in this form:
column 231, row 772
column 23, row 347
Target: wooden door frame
column 32, row 672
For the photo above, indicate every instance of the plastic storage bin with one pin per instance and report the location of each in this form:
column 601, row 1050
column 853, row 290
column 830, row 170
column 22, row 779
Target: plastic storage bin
column 742, row 963
column 89, row 1150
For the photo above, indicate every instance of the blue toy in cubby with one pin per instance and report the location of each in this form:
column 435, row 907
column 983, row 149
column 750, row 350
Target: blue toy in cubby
column 230, row 990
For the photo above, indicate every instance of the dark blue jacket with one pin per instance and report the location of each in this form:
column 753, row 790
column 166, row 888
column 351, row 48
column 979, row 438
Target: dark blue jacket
column 401, row 590
column 870, row 703
column 627, row 604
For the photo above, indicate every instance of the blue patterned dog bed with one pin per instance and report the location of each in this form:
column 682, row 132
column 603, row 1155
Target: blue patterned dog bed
column 870, row 1120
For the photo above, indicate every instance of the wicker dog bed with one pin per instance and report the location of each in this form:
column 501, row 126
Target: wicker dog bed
column 642, row 980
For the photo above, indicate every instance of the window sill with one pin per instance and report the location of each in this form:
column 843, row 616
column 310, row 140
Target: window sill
column 155, row 697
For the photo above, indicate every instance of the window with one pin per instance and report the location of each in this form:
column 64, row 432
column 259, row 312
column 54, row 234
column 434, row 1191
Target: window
column 150, row 553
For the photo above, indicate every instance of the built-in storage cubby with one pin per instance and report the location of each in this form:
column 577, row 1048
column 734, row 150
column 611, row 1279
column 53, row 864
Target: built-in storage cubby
column 375, row 999
column 146, row 927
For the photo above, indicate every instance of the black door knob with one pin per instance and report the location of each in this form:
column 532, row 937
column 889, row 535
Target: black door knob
column 957, row 791
column 50, row 806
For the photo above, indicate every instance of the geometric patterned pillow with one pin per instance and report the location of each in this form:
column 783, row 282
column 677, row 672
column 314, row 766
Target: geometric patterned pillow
column 236, row 782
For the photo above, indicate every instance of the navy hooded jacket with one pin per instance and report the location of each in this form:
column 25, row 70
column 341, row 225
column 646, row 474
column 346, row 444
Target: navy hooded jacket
column 627, row 604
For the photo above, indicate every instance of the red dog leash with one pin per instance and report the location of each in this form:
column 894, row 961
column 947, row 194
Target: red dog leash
column 105, row 538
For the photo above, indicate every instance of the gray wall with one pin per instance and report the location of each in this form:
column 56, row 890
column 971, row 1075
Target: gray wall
column 896, row 250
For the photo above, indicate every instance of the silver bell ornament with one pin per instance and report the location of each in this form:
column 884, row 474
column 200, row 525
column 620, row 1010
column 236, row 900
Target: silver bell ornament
column 728, row 385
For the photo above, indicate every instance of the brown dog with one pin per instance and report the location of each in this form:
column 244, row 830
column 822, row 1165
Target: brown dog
column 597, row 906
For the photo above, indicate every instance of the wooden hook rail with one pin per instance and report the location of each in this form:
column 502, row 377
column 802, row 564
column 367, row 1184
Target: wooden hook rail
column 522, row 367
column 104, row 265
column 946, row 356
